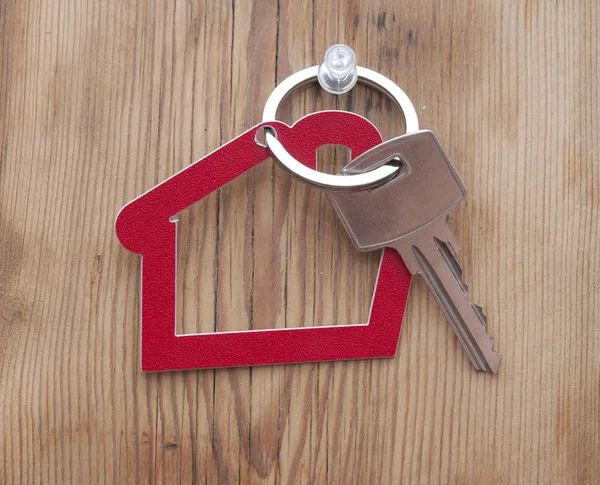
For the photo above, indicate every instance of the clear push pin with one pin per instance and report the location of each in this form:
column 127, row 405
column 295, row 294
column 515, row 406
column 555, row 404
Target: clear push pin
column 337, row 72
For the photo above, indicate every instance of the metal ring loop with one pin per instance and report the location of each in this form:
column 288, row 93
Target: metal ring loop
column 319, row 179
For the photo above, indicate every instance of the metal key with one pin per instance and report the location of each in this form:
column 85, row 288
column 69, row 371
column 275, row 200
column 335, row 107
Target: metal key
column 409, row 214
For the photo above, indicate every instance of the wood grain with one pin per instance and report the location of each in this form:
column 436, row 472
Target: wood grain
column 99, row 101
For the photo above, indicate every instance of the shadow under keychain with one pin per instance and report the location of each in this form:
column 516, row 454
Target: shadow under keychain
column 393, row 195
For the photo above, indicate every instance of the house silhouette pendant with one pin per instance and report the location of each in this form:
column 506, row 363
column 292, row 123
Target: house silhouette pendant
column 145, row 226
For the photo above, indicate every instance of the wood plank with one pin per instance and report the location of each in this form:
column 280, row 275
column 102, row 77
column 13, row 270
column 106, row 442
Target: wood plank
column 102, row 100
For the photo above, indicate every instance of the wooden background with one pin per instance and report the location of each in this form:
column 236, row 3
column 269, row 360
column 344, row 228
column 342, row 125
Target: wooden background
column 100, row 100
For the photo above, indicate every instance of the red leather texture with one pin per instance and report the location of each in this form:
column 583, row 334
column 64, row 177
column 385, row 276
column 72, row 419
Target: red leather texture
column 144, row 227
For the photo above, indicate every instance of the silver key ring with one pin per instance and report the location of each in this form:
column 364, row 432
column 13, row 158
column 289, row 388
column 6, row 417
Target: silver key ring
column 322, row 180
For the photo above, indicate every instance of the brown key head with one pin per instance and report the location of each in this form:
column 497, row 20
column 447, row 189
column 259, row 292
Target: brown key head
column 426, row 188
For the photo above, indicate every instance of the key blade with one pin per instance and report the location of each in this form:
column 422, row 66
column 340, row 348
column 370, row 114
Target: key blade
column 482, row 316
column 452, row 262
column 425, row 253
column 454, row 266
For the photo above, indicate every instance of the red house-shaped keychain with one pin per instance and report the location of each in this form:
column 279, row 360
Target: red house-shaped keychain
column 145, row 226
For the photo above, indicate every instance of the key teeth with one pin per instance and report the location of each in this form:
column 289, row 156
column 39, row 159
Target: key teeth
column 493, row 366
column 482, row 316
column 484, row 359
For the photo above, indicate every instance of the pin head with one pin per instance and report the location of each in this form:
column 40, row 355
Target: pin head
column 337, row 72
